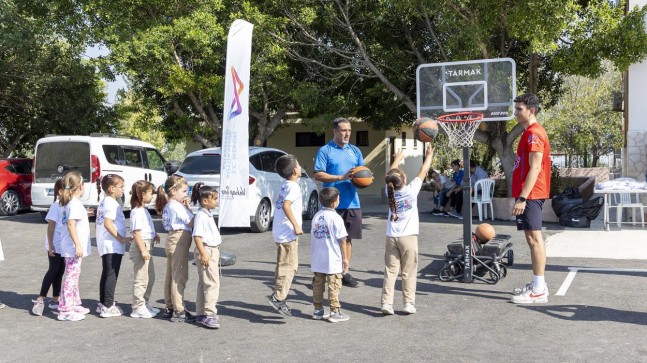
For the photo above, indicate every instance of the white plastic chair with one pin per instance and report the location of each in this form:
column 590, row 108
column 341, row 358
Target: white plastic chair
column 624, row 200
column 482, row 193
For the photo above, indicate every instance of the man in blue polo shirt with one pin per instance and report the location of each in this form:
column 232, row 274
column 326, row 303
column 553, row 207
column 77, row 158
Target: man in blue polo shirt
column 333, row 167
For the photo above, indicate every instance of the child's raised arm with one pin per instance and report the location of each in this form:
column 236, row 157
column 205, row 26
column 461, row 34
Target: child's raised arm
column 426, row 164
column 397, row 159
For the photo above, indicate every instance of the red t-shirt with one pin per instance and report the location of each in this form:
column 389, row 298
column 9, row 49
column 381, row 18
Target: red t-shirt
column 534, row 139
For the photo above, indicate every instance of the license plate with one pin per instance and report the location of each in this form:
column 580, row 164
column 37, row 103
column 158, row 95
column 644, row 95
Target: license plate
column 50, row 192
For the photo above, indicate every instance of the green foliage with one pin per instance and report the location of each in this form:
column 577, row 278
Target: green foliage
column 582, row 122
column 46, row 87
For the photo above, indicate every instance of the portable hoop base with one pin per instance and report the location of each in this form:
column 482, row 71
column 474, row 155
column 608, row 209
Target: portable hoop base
column 460, row 129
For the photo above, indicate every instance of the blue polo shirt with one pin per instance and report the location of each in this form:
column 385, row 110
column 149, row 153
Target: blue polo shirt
column 336, row 160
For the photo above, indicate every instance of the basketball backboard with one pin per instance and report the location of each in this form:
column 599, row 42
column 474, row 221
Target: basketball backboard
column 487, row 86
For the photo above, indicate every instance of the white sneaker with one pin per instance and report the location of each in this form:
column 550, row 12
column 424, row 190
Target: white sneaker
column 142, row 312
column 53, row 305
column 409, row 308
column 530, row 297
column 100, row 308
column 110, row 312
column 387, row 309
column 154, row 311
column 70, row 316
column 525, row 288
column 336, row 317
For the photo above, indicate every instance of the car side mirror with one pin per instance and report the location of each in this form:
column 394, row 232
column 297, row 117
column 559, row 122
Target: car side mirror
column 171, row 166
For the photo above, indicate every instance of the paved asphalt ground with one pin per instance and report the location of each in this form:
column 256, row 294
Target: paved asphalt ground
column 602, row 317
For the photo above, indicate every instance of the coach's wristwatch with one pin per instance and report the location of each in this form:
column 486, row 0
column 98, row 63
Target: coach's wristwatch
column 521, row 199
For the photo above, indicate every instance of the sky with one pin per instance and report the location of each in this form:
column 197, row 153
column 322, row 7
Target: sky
column 111, row 87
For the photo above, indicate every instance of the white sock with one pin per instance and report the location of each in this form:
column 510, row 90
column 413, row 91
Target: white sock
column 538, row 283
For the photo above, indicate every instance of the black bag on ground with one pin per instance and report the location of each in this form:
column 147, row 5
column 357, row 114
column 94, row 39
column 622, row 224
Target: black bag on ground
column 566, row 200
column 580, row 216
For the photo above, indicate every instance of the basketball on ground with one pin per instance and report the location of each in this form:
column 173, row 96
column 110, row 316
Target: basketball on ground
column 361, row 177
column 425, row 129
column 484, row 232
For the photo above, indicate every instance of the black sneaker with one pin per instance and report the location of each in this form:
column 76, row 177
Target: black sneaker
column 348, row 280
column 437, row 212
column 190, row 318
column 280, row 306
column 168, row 313
column 445, row 214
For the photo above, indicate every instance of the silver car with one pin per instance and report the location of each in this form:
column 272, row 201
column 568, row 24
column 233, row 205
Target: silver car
column 264, row 182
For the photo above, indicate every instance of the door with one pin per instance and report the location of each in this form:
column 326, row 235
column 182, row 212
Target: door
column 132, row 163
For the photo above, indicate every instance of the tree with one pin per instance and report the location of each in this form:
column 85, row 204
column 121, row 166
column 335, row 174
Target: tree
column 373, row 48
column 173, row 55
column 582, row 123
column 45, row 85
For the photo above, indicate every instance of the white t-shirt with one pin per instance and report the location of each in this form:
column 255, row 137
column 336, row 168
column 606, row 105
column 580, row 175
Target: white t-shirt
column 406, row 201
column 140, row 220
column 204, row 226
column 325, row 252
column 282, row 229
column 54, row 214
column 75, row 210
column 176, row 216
column 445, row 182
column 106, row 243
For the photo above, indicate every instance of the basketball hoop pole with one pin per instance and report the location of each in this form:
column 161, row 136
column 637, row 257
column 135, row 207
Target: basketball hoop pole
column 467, row 218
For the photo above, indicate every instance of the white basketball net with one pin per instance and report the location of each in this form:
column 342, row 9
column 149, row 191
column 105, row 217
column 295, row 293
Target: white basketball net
column 460, row 127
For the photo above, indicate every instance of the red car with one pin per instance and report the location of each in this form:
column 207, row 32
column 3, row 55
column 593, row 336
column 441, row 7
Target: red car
column 15, row 185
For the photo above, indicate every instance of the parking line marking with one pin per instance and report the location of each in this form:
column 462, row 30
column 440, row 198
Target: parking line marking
column 573, row 271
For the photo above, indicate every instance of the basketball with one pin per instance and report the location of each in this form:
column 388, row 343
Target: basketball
column 361, row 177
column 425, row 129
column 484, row 232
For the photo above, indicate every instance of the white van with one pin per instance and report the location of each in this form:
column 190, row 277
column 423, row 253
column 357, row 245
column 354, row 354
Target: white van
column 94, row 156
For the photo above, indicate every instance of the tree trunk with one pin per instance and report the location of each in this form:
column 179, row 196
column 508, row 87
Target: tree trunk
column 6, row 153
column 532, row 74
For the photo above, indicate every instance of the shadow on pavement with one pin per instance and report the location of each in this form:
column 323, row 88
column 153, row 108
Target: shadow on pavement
column 590, row 313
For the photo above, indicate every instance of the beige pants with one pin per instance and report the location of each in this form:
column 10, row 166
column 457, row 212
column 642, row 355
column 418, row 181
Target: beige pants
column 144, row 274
column 287, row 262
column 334, row 288
column 400, row 256
column 177, row 248
column 208, row 282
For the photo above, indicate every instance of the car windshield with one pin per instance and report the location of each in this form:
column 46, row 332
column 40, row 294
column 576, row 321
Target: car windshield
column 201, row 164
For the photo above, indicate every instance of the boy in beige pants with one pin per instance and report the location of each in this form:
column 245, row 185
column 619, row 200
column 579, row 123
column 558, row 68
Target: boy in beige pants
column 285, row 229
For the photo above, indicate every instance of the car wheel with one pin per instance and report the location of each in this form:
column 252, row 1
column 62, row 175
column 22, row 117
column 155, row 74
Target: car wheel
column 263, row 217
column 313, row 206
column 10, row 203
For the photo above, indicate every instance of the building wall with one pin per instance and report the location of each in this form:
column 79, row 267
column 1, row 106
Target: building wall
column 635, row 153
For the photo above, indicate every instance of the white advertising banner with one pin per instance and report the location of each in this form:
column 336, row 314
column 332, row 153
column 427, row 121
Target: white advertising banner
column 234, row 166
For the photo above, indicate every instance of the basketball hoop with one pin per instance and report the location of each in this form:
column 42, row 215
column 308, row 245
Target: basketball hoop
column 460, row 127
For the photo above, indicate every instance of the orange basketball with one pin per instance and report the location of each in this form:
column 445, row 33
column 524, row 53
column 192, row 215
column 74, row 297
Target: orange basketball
column 484, row 232
column 361, row 177
column 425, row 129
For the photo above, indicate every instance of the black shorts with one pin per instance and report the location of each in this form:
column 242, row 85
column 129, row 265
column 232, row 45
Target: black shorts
column 530, row 219
column 353, row 222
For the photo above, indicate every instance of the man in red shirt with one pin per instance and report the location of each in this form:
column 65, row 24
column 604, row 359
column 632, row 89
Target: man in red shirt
column 530, row 187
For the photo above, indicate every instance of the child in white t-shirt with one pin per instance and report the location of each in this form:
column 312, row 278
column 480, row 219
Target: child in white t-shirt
column 207, row 255
column 286, row 228
column 177, row 220
column 402, row 228
column 75, row 244
column 327, row 259
column 54, row 275
column 111, row 239
column 144, row 236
